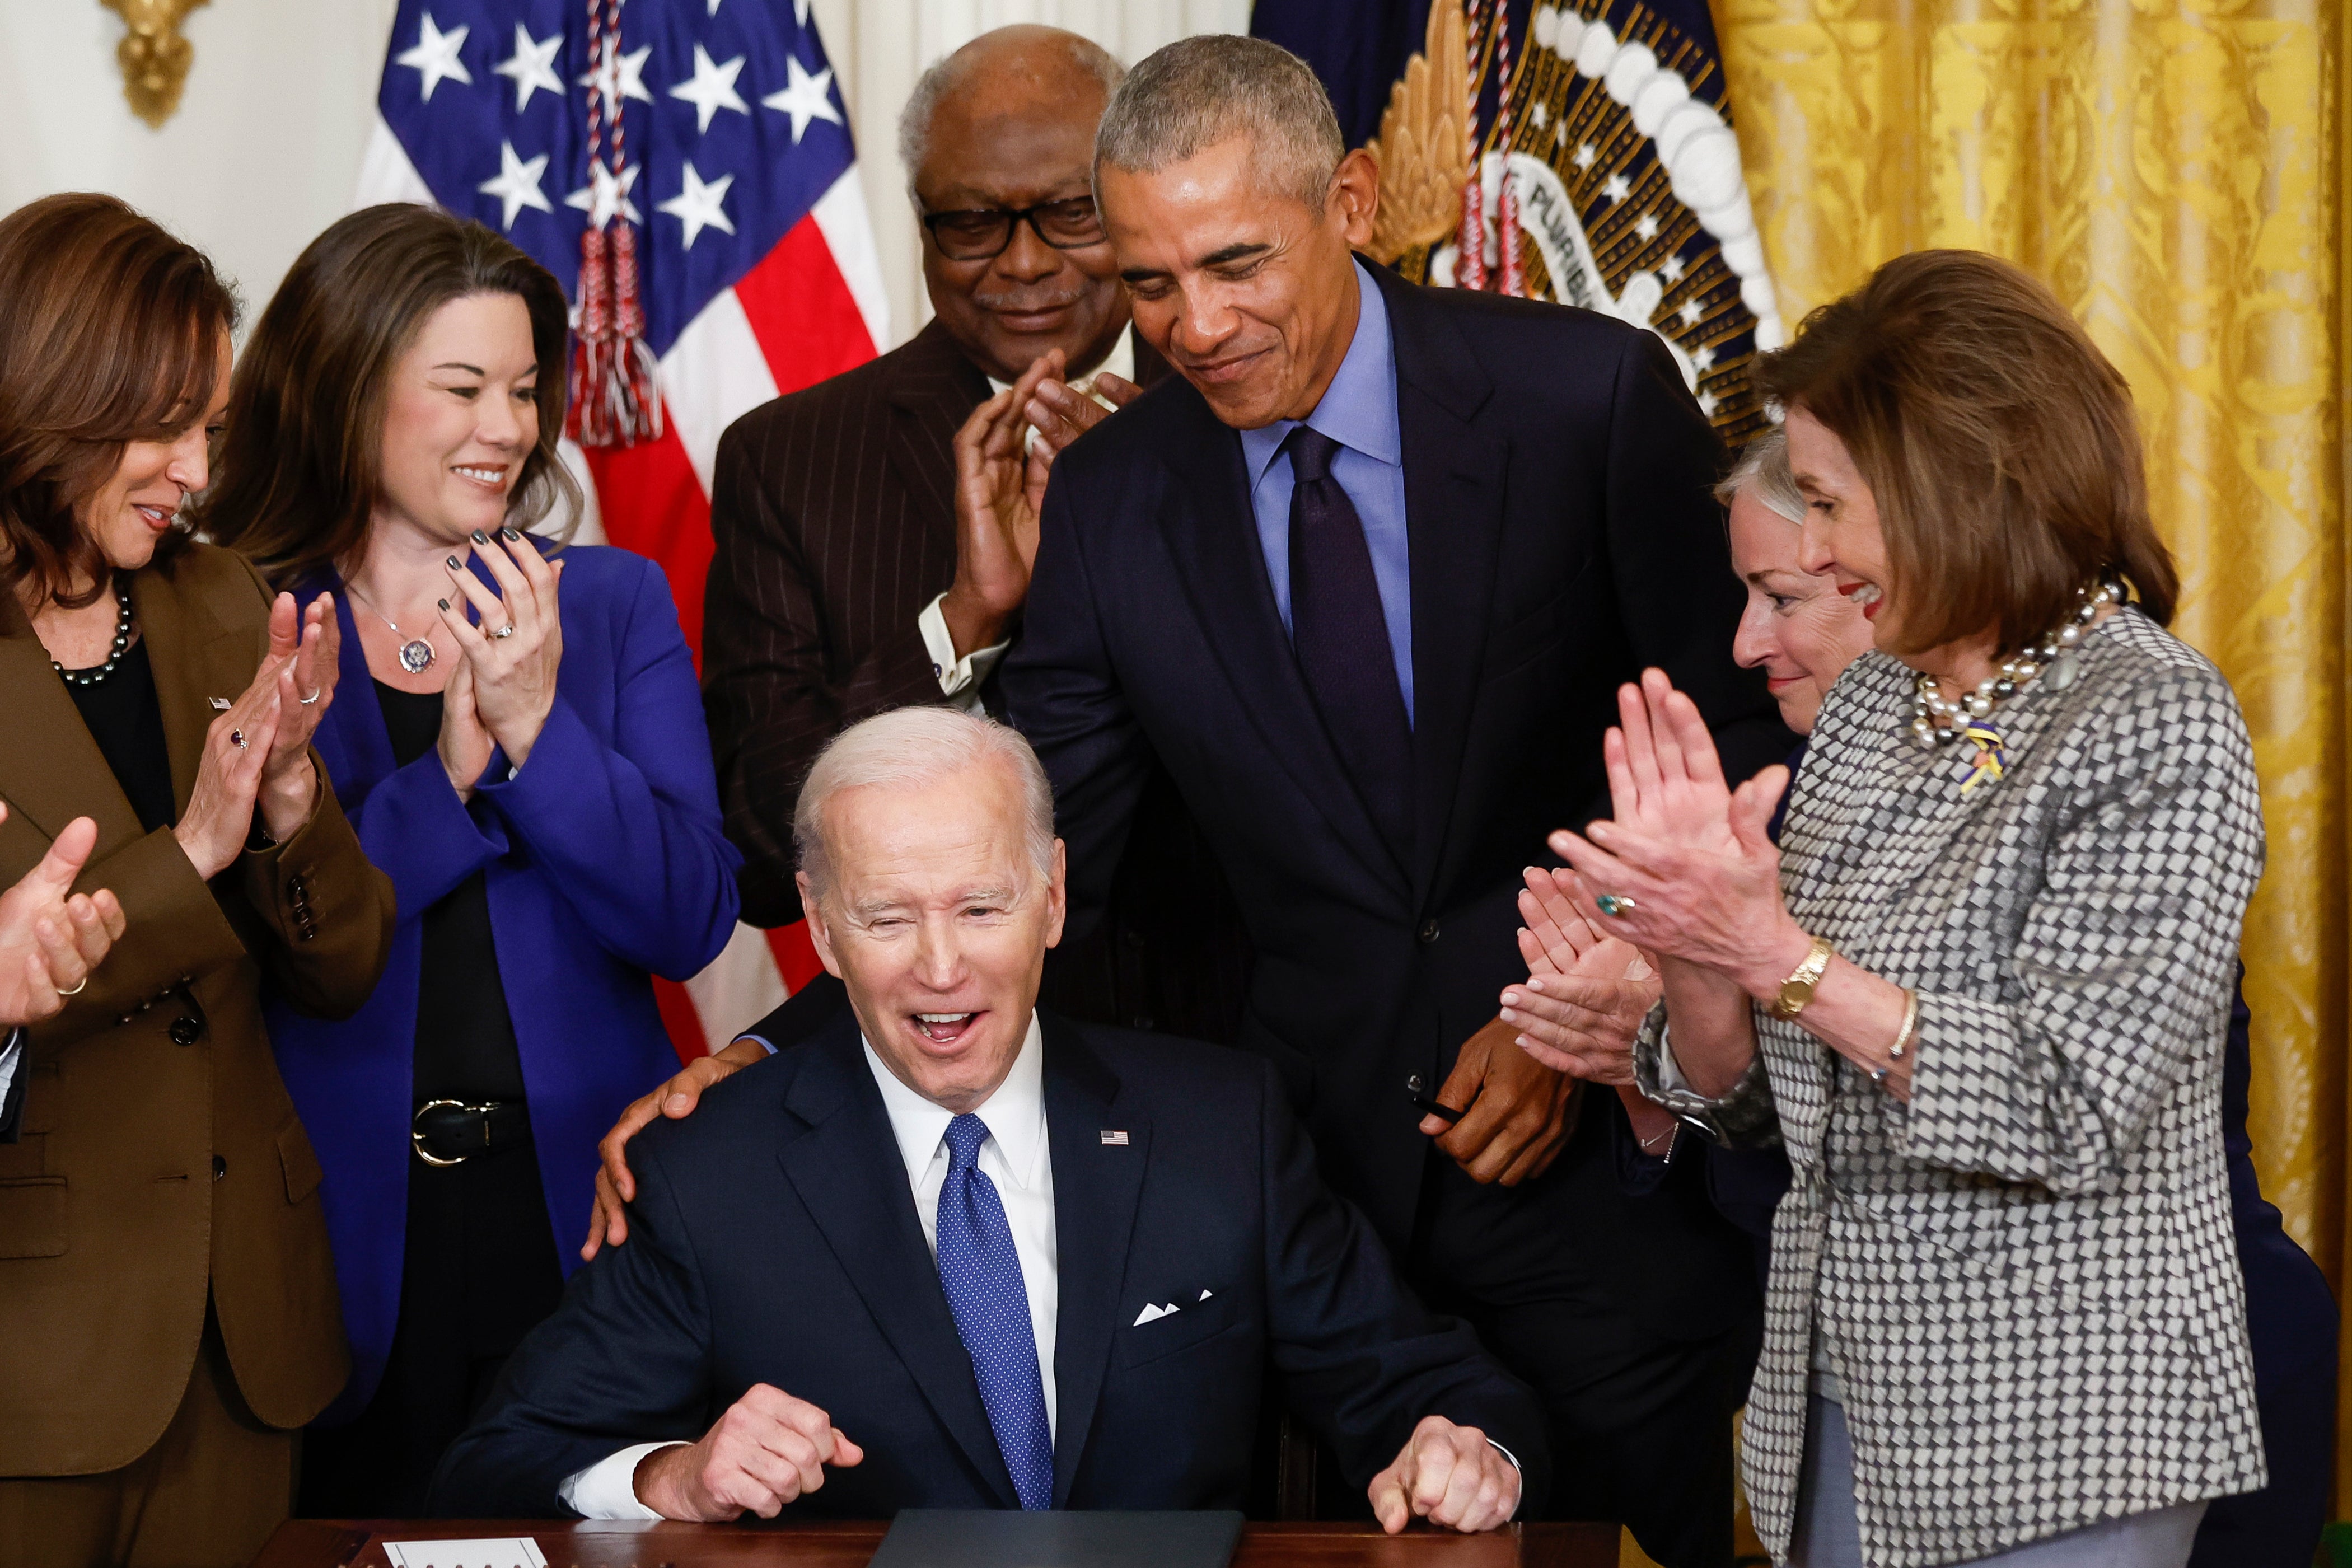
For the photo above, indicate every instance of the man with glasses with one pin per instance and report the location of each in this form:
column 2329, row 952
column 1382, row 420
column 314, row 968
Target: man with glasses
column 843, row 583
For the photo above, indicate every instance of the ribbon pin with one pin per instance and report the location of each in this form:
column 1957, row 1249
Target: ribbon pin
column 1990, row 757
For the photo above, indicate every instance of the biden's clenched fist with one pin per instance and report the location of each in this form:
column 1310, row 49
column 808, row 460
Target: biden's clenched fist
column 767, row 1450
column 1450, row 1476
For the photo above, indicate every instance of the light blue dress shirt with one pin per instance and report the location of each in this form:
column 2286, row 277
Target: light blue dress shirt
column 1359, row 411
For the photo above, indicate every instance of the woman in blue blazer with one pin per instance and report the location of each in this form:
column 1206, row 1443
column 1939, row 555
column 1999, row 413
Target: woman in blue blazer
column 522, row 749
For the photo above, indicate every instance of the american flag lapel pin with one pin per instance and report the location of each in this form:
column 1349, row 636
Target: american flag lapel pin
column 222, row 704
column 1113, row 1138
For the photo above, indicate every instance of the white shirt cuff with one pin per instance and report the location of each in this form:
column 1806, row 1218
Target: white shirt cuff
column 1517, row 1466
column 958, row 679
column 608, row 1488
column 10, row 1054
column 1670, row 1073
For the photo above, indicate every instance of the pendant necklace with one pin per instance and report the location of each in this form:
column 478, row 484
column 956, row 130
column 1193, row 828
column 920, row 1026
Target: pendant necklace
column 415, row 653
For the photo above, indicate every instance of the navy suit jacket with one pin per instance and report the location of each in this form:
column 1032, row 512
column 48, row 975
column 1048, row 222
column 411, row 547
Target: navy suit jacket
column 606, row 863
column 1560, row 536
column 774, row 1239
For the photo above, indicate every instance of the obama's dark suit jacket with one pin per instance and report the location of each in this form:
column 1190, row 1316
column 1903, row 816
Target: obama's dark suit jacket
column 774, row 1239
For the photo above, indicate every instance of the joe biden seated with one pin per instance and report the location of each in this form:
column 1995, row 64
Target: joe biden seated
column 951, row 1252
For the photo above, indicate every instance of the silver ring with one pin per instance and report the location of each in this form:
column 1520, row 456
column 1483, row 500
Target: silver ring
column 314, row 697
column 77, row 989
column 237, row 738
column 1614, row 904
column 505, row 631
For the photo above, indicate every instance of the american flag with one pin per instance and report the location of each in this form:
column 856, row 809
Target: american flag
column 758, row 274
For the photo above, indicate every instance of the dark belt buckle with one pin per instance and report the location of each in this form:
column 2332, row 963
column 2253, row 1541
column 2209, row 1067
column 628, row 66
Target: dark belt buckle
column 417, row 1135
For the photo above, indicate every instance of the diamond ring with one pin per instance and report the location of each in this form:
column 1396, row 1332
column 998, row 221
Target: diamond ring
column 312, row 697
column 1614, row 903
column 505, row 631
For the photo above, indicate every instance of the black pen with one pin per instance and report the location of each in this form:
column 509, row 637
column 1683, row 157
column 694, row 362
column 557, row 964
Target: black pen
column 1443, row 1112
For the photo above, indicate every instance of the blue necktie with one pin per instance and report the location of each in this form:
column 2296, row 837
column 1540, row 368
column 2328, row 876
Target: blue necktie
column 1339, row 630
column 981, row 1275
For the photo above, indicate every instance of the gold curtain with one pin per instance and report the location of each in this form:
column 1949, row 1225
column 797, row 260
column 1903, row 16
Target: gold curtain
column 2177, row 170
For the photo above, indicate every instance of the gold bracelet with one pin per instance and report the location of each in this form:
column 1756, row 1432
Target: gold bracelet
column 1910, row 1026
column 1797, row 990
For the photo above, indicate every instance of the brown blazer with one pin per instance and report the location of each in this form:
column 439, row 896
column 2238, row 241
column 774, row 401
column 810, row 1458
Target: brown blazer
column 832, row 512
column 159, row 1153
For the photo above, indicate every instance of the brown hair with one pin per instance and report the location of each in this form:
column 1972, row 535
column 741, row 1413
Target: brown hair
column 301, row 467
column 110, row 333
column 1998, row 440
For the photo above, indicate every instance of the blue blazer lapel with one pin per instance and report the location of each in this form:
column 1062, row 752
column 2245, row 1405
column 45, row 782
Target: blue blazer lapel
column 846, row 1170
column 1453, row 526
column 1096, row 1187
column 1212, row 533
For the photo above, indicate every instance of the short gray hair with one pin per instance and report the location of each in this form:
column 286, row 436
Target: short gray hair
column 907, row 748
column 1199, row 91
column 947, row 73
column 1763, row 468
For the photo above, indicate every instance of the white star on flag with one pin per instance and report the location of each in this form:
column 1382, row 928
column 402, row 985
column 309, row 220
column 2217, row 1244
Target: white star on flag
column 712, row 89
column 805, row 96
column 1703, row 357
column 435, row 58
column 622, row 76
column 530, row 66
column 1646, row 225
column 1707, row 404
column 800, row 11
column 1691, row 313
column 1540, row 114
column 603, row 196
column 518, row 183
column 1672, row 269
column 1585, row 156
column 698, row 206
column 1618, row 188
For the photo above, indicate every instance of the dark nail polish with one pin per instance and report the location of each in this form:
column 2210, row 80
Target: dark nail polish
column 511, row 537
column 457, row 565
column 480, row 537
column 445, row 604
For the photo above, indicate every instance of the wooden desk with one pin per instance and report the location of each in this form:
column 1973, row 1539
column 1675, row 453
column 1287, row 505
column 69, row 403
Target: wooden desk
column 357, row 1543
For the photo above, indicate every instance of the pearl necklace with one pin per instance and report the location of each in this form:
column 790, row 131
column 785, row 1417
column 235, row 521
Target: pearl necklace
column 1936, row 721
column 122, row 641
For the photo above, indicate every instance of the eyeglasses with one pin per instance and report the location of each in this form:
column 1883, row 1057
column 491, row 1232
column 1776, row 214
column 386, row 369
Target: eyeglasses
column 983, row 234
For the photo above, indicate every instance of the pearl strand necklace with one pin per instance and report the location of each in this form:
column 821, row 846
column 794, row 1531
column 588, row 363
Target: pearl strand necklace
column 1936, row 720
column 90, row 677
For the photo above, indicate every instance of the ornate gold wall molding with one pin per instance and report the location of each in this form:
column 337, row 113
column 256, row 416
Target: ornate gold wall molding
column 154, row 56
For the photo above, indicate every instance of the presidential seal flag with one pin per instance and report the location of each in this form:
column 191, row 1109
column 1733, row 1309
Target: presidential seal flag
column 685, row 169
column 1581, row 154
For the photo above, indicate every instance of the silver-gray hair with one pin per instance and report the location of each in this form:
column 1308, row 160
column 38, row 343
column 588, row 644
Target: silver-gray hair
column 1199, row 91
column 950, row 70
column 1763, row 468
column 907, row 748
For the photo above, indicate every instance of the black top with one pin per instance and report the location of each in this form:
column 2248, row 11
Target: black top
column 465, row 1035
column 126, row 718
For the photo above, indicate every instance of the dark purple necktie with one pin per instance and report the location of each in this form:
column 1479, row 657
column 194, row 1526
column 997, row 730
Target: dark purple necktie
column 1341, row 636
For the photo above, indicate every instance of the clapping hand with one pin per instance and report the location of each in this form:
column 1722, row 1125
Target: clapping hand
column 1688, row 866
column 510, row 659
column 1586, row 992
column 304, row 659
column 50, row 936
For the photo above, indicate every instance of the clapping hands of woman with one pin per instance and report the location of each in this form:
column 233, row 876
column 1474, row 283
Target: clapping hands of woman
column 505, row 688
column 1686, row 867
column 1586, row 991
column 257, row 755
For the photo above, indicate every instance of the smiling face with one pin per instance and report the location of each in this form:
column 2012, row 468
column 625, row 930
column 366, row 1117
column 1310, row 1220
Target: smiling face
column 937, row 921
column 1018, row 131
column 1797, row 628
column 461, row 417
column 1249, row 293
column 1842, row 539
column 139, row 502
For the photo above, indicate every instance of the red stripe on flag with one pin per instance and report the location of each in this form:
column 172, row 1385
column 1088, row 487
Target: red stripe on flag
column 807, row 320
column 653, row 504
column 678, row 1017
column 796, row 958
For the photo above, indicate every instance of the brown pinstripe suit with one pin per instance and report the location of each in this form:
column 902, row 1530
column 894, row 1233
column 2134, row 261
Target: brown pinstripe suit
column 833, row 514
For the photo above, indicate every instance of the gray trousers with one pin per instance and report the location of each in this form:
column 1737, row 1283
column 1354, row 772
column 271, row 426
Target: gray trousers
column 1829, row 1536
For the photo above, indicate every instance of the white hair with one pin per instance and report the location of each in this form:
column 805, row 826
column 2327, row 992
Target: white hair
column 1763, row 468
column 947, row 73
column 908, row 749
column 1199, row 92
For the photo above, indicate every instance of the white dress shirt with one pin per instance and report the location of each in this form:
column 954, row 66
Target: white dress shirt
column 1017, row 1157
column 10, row 1055
column 959, row 679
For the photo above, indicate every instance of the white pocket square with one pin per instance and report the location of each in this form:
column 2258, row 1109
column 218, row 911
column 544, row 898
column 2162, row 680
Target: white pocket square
column 1151, row 1314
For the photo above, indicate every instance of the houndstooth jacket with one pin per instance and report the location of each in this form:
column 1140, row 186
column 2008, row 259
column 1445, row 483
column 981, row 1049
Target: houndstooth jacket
column 2025, row 1279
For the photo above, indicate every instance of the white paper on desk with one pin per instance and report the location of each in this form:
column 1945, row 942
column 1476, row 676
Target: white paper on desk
column 501, row 1552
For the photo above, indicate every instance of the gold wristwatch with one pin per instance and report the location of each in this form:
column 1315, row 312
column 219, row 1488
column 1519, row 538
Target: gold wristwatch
column 1797, row 990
